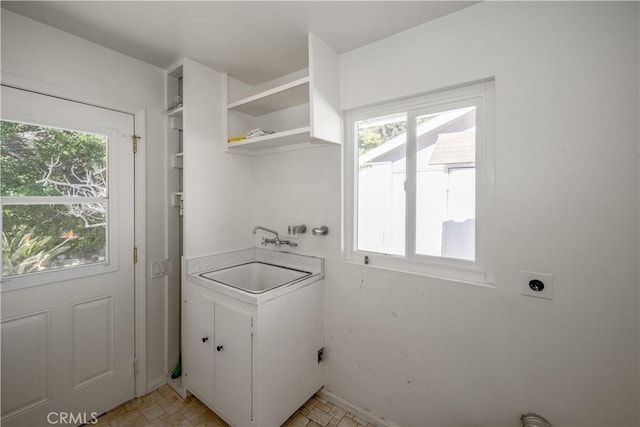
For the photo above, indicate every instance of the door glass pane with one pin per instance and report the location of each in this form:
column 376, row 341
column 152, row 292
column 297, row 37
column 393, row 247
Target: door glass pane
column 46, row 161
column 445, row 192
column 47, row 237
column 382, row 163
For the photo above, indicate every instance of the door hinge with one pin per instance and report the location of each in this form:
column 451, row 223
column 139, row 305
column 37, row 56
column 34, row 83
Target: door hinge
column 135, row 139
column 135, row 255
column 135, row 365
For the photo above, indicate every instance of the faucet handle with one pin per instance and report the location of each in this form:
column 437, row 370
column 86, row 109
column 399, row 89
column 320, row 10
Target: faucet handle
column 320, row 231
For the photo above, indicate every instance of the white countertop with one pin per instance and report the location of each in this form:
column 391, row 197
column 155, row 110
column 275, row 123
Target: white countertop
column 197, row 266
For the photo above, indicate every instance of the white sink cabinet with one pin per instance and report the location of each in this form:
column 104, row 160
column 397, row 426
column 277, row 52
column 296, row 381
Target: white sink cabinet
column 218, row 355
column 252, row 358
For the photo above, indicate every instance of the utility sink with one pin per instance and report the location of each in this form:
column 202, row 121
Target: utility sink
column 256, row 276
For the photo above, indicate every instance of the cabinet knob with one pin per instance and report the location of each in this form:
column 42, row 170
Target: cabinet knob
column 219, row 348
column 205, row 339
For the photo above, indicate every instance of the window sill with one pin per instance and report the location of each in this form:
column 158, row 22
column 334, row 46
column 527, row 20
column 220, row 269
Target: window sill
column 447, row 273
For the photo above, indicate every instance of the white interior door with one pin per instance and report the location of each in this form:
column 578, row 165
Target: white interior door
column 67, row 196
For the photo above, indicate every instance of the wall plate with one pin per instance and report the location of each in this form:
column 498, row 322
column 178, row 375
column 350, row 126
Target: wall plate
column 539, row 285
column 160, row 268
column 294, row 230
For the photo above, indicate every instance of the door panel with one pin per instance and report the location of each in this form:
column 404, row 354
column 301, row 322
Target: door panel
column 80, row 348
column 233, row 365
column 92, row 323
column 25, row 362
column 199, row 341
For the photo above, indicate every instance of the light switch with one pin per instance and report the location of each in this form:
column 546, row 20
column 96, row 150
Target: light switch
column 160, row 268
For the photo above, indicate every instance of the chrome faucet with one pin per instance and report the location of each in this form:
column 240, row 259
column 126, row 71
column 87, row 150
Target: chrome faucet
column 268, row 230
column 274, row 241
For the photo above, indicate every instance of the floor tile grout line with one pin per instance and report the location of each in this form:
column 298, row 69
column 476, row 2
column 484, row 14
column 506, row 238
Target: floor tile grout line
column 153, row 408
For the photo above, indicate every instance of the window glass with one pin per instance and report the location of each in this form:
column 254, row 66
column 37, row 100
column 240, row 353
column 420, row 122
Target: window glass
column 445, row 184
column 47, row 237
column 382, row 152
column 46, row 161
column 53, row 165
column 419, row 184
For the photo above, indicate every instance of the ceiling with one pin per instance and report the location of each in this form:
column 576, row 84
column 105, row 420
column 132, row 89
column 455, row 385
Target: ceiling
column 252, row 41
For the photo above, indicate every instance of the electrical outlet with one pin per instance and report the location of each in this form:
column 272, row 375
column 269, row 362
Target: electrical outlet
column 539, row 285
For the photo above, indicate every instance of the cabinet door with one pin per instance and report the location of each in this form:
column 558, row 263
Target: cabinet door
column 199, row 346
column 233, row 365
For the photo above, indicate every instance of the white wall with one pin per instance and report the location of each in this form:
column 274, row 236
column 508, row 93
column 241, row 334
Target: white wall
column 217, row 199
column 300, row 187
column 41, row 53
column 427, row 352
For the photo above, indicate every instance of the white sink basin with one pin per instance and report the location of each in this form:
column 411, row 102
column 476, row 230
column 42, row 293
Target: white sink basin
column 256, row 277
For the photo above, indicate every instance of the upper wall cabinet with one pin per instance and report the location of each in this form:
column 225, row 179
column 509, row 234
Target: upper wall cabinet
column 299, row 110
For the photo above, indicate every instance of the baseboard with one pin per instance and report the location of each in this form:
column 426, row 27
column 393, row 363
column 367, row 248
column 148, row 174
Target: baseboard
column 155, row 384
column 176, row 385
column 356, row 410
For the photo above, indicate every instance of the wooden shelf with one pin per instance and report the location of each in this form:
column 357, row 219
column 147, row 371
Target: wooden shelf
column 178, row 160
column 175, row 123
column 274, row 140
column 176, row 198
column 176, row 112
column 276, row 99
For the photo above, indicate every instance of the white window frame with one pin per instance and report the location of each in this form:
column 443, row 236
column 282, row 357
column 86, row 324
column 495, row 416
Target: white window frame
column 110, row 263
column 478, row 271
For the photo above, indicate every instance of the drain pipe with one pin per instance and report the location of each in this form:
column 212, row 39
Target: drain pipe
column 534, row 420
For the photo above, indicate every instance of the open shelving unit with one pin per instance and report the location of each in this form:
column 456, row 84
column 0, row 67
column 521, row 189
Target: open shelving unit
column 301, row 109
column 175, row 150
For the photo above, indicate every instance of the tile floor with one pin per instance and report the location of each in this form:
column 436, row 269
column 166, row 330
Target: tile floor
column 164, row 407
